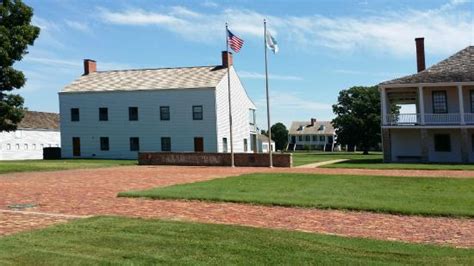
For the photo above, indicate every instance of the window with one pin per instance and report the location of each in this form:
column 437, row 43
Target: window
column 224, row 145
column 9, row 147
column 103, row 114
column 197, row 112
column 300, row 138
column 315, row 138
column 307, row 138
column 252, row 116
column 322, row 138
column 25, row 146
column 330, row 139
column 104, row 143
column 165, row 144
column 134, row 144
column 17, row 146
column 442, row 142
column 133, row 113
column 164, row 113
column 440, row 104
column 34, row 146
column 246, row 145
column 74, row 114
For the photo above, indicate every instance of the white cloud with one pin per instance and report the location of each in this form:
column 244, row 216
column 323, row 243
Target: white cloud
column 80, row 26
column 209, row 3
column 389, row 32
column 255, row 75
column 74, row 63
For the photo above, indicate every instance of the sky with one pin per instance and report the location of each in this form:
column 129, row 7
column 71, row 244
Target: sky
column 325, row 46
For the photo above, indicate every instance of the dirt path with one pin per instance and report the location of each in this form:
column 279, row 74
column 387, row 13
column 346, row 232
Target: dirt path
column 93, row 192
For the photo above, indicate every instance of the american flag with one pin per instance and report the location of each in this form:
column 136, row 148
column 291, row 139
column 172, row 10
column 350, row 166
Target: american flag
column 234, row 42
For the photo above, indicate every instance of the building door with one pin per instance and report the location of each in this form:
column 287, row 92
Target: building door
column 198, row 144
column 76, row 146
column 293, row 139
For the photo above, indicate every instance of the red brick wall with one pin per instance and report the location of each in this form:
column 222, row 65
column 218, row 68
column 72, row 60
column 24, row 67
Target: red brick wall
column 213, row 159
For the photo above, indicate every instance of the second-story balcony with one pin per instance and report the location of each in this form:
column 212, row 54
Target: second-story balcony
column 412, row 119
column 428, row 106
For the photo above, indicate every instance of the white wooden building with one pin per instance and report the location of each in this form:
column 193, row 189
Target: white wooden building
column 115, row 114
column 311, row 135
column 36, row 131
column 439, row 126
column 262, row 143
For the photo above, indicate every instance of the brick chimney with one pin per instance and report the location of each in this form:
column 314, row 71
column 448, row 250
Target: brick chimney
column 313, row 121
column 420, row 54
column 90, row 66
column 226, row 59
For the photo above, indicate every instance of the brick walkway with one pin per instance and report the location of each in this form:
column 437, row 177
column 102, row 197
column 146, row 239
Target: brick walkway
column 93, row 192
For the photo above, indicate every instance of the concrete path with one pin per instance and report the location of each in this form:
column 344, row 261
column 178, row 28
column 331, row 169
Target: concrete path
column 94, row 192
column 318, row 164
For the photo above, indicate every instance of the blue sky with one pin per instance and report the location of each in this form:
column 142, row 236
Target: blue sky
column 325, row 46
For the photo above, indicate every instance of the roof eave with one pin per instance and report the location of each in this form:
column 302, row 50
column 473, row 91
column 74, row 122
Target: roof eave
column 435, row 84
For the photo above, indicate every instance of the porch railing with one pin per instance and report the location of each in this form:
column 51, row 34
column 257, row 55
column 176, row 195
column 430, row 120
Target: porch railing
column 430, row 119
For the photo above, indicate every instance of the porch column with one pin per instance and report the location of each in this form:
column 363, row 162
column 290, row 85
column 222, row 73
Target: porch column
column 465, row 145
column 425, row 148
column 421, row 101
column 461, row 104
column 386, row 145
column 383, row 103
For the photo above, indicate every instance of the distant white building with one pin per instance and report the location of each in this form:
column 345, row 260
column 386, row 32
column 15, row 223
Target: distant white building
column 262, row 143
column 115, row 114
column 311, row 135
column 36, row 131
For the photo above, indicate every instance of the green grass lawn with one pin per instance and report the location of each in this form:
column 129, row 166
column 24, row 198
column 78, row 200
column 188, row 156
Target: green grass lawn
column 399, row 195
column 301, row 158
column 372, row 161
column 50, row 165
column 113, row 240
column 368, row 163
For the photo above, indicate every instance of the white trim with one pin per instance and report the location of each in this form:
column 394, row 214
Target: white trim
column 430, row 126
column 439, row 84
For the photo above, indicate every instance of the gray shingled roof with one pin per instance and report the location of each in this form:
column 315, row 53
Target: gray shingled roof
column 263, row 138
column 457, row 68
column 149, row 79
column 305, row 128
column 39, row 120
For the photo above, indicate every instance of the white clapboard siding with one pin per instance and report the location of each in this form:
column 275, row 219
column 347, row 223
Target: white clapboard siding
column 26, row 144
column 181, row 128
column 241, row 104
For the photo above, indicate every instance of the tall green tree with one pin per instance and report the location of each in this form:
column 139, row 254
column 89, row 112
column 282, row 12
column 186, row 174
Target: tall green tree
column 16, row 33
column 280, row 135
column 357, row 121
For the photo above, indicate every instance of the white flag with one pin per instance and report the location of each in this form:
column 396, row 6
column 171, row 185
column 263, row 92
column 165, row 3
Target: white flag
column 271, row 43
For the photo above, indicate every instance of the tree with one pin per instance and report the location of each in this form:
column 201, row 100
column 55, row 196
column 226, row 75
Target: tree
column 280, row 135
column 16, row 33
column 357, row 119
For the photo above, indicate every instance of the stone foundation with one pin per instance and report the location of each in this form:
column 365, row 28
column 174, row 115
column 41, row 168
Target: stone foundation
column 213, row 159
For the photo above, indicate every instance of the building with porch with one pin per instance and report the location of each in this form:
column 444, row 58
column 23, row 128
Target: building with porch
column 440, row 125
column 311, row 135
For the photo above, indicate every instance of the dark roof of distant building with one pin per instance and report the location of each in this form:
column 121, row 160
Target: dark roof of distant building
column 39, row 120
column 457, row 68
column 305, row 127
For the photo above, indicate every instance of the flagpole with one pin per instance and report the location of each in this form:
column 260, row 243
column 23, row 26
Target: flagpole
column 232, row 164
column 268, row 97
